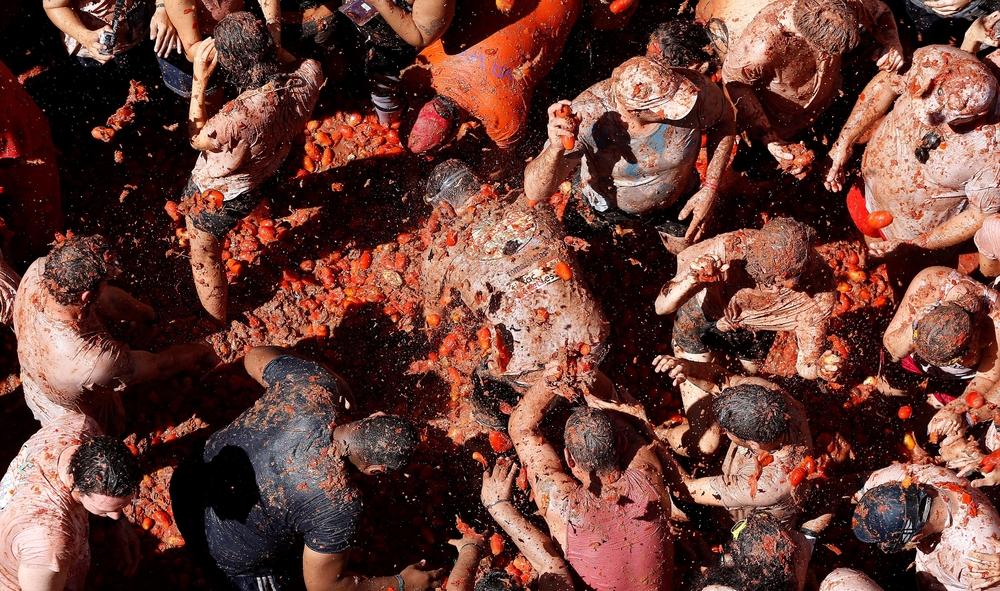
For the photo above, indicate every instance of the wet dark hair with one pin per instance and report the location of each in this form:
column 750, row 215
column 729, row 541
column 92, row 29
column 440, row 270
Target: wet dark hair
column 764, row 554
column 779, row 251
column 827, row 25
column 592, row 440
column 682, row 42
column 104, row 466
column 752, row 412
column 495, row 580
column 943, row 333
column 385, row 440
column 246, row 51
column 77, row 264
column 452, row 181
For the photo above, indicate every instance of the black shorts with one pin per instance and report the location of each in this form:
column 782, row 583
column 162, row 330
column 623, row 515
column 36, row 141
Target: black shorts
column 695, row 333
column 219, row 223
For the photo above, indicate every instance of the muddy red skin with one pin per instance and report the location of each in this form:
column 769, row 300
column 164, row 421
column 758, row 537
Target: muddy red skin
column 508, row 289
column 973, row 525
column 791, row 82
column 957, row 183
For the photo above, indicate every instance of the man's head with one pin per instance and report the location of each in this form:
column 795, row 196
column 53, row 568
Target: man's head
column 680, row 43
column 650, row 90
column 495, row 580
column 942, row 336
column 764, row 554
column 246, row 50
column 827, row 25
column 76, row 267
column 591, row 442
column 380, row 442
column 451, row 181
column 105, row 475
column 779, row 251
column 752, row 413
column 950, row 86
column 891, row 515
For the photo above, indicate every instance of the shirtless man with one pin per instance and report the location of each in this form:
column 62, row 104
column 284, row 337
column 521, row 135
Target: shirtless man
column 784, row 71
column 948, row 325
column 611, row 524
column 504, row 257
column 769, row 438
column 70, row 363
column 931, row 163
column 931, row 509
column 242, row 145
column 64, row 474
column 639, row 136
column 721, row 306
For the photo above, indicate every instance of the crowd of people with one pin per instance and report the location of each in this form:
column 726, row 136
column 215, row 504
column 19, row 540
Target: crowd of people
column 272, row 499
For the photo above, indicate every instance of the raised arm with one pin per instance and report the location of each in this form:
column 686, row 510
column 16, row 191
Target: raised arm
column 204, row 64
column 689, row 280
column 874, row 102
column 721, row 139
column 116, row 304
column 883, row 27
column 425, row 25
column 184, row 16
column 545, row 470
column 553, row 574
column 63, row 15
column 544, row 174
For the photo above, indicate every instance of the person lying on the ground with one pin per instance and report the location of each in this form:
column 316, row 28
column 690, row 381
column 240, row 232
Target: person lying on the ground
column 29, row 173
column 242, row 145
column 636, row 144
column 982, row 31
column 271, row 494
column 553, row 574
column 610, row 523
column 931, row 160
column 64, row 473
column 763, row 555
column 98, row 32
column 509, row 262
column 720, row 308
column 784, row 71
column 929, row 508
column 948, row 326
column 770, row 439
column 69, row 361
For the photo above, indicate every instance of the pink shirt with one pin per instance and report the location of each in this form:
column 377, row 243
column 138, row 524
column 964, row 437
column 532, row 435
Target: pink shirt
column 40, row 523
column 621, row 544
column 252, row 134
column 68, row 366
column 943, row 567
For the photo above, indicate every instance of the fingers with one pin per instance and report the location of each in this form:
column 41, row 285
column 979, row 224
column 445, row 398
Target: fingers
column 555, row 107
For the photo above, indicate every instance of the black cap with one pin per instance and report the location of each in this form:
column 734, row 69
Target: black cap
column 890, row 515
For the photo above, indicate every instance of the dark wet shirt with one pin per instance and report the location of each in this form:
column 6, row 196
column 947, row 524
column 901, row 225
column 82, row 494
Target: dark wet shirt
column 273, row 484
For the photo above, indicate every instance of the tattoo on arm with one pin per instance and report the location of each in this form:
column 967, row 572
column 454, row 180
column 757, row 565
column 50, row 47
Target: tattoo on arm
column 432, row 28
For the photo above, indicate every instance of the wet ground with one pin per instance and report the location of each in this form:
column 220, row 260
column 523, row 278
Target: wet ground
column 325, row 267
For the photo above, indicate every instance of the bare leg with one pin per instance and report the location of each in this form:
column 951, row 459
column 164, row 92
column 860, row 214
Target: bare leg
column 700, row 435
column 209, row 274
